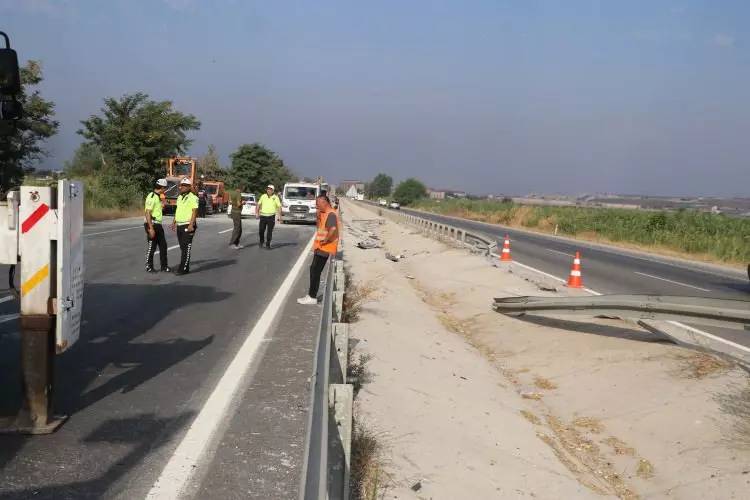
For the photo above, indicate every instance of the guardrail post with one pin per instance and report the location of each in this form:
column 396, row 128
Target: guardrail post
column 338, row 306
column 340, row 333
column 341, row 398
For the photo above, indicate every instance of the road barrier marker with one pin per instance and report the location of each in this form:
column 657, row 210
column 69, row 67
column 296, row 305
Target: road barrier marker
column 505, row 254
column 184, row 461
column 35, row 279
column 575, row 280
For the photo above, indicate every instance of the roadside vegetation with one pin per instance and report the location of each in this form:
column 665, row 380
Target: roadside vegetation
column 689, row 233
column 124, row 150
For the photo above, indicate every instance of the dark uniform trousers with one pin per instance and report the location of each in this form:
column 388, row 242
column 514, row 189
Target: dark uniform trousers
column 159, row 240
column 185, row 239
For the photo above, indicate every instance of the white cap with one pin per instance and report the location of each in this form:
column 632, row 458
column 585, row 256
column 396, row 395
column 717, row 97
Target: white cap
column 161, row 182
column 270, row 186
column 186, row 182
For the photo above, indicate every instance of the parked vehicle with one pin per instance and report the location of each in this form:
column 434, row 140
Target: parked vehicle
column 298, row 202
column 218, row 194
column 395, row 206
column 248, row 205
column 382, row 202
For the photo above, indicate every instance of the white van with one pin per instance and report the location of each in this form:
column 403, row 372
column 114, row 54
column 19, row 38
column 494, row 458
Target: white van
column 298, row 202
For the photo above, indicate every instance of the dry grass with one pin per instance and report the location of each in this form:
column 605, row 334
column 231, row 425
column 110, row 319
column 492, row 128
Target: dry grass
column 536, row 396
column 356, row 295
column 369, row 476
column 645, row 469
column 700, row 365
column 531, row 417
column 589, row 423
column 93, row 214
column 585, row 460
column 544, row 383
column 357, row 372
column 736, row 403
column 619, row 447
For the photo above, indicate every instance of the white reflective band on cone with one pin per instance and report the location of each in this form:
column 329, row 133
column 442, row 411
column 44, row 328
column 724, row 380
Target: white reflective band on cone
column 575, row 273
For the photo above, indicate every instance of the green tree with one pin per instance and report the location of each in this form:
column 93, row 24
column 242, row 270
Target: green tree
column 22, row 147
column 210, row 166
column 381, row 186
column 409, row 191
column 137, row 134
column 254, row 166
column 87, row 160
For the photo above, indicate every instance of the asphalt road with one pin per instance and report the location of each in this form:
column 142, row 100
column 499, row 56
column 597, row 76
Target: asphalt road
column 152, row 349
column 615, row 271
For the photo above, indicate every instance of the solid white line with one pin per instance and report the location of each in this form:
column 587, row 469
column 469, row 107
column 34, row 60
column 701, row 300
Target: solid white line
column 670, row 281
column 567, row 254
column 713, row 337
column 225, row 231
column 168, row 249
column 7, row 298
column 184, row 461
column 112, row 231
column 9, row 317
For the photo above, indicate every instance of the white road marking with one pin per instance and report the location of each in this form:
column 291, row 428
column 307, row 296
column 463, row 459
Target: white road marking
column 670, row 281
column 567, row 254
column 712, row 337
column 168, row 249
column 178, row 471
column 7, row 298
column 9, row 317
column 112, row 231
column 225, row 231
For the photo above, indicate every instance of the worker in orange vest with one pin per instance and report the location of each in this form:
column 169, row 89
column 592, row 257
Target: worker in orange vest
column 325, row 245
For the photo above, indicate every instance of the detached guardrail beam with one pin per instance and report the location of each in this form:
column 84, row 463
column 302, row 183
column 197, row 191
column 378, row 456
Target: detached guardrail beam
column 724, row 313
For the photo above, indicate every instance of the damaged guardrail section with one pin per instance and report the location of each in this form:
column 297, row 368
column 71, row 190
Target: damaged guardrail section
column 327, row 464
column 724, row 313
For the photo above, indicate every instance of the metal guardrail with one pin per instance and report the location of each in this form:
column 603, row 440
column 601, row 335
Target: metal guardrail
column 327, row 456
column 725, row 313
column 474, row 240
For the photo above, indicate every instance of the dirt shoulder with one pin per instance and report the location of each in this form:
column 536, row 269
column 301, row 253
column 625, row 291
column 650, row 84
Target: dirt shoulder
column 473, row 404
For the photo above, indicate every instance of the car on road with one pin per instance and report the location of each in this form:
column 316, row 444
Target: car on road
column 382, row 203
column 395, row 206
column 248, row 205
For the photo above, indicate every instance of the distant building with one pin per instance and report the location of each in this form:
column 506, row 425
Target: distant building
column 456, row 194
column 436, row 194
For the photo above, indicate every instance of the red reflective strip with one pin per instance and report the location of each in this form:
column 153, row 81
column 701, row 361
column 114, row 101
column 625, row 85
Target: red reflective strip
column 35, row 217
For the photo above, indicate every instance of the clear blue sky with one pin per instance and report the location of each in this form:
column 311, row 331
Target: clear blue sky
column 489, row 96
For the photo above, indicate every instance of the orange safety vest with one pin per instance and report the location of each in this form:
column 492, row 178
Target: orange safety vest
column 332, row 247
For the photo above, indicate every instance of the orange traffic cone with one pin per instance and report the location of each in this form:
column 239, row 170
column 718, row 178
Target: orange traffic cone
column 505, row 254
column 575, row 280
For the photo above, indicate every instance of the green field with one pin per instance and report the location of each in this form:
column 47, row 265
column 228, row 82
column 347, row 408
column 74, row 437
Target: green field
column 701, row 235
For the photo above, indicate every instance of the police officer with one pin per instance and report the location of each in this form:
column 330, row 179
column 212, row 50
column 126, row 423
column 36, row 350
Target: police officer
column 268, row 211
column 154, row 230
column 184, row 223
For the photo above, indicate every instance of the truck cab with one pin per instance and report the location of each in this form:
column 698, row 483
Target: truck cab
column 178, row 168
column 218, row 194
column 298, row 202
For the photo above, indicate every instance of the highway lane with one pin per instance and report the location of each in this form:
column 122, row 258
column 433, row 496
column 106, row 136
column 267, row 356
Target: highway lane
column 152, row 348
column 610, row 270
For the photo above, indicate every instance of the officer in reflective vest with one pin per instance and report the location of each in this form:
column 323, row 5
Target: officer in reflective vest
column 325, row 245
column 154, row 230
column 184, row 222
